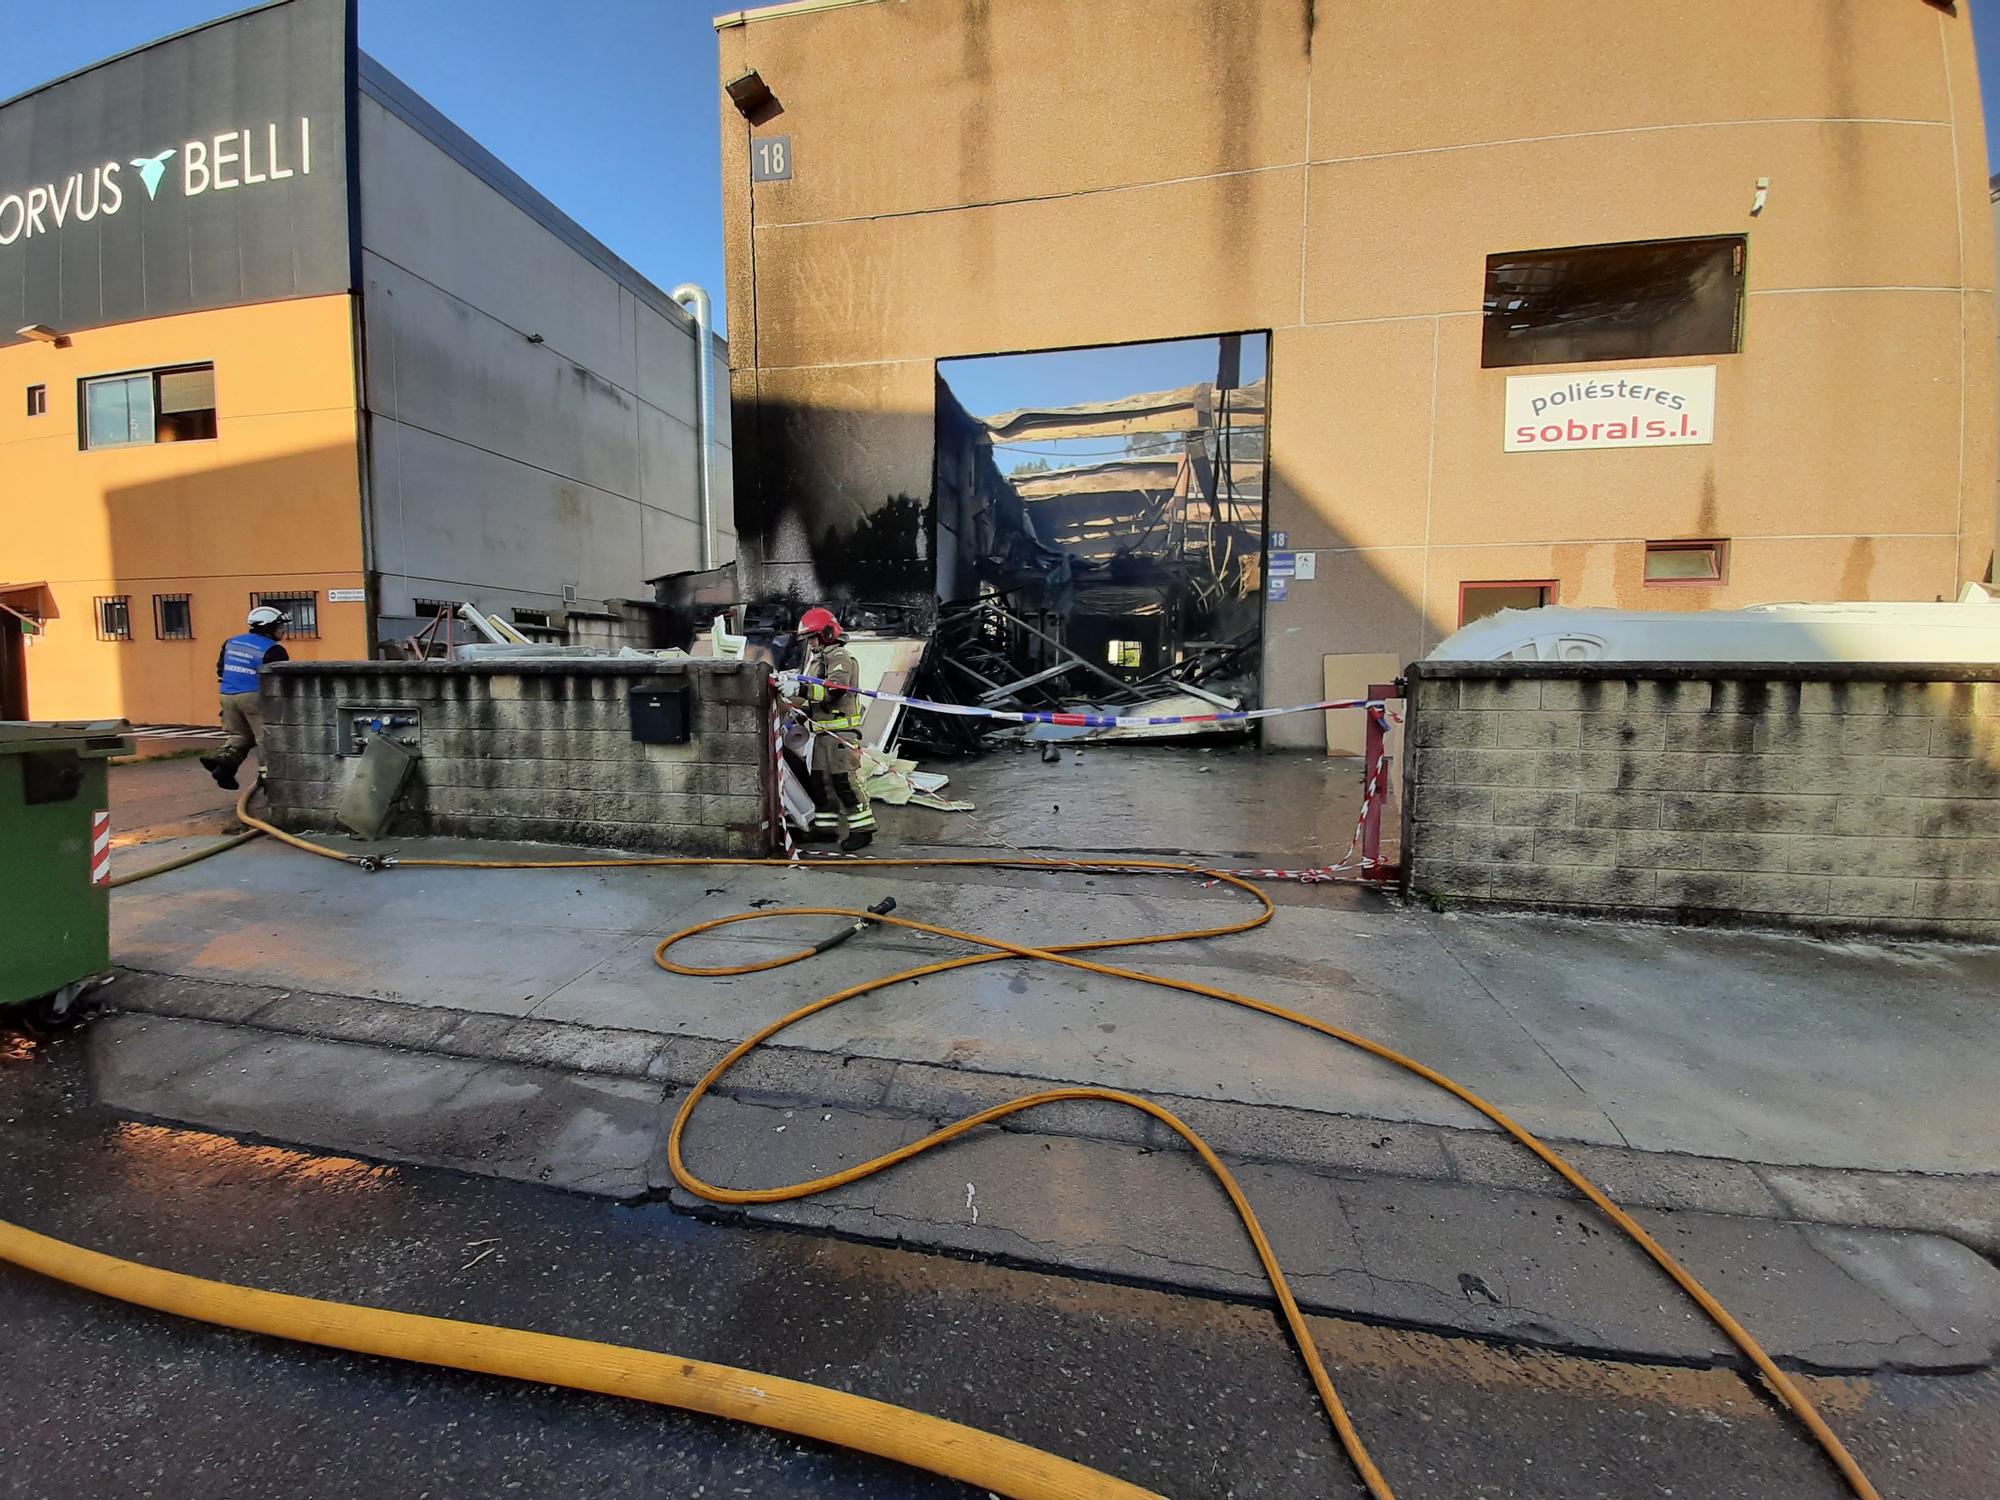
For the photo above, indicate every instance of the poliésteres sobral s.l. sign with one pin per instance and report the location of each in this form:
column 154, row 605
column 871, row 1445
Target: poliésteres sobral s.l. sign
column 1657, row 408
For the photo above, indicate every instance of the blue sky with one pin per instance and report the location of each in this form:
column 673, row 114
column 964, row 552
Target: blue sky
column 610, row 107
column 1986, row 42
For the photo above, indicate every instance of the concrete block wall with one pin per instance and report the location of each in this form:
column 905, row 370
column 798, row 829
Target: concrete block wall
column 536, row 750
column 1834, row 797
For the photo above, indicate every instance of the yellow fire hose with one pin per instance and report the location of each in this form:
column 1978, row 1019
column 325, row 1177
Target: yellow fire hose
column 810, row 1411
column 192, row 857
column 979, row 1458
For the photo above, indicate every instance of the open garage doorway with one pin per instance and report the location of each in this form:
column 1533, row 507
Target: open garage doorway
column 1100, row 525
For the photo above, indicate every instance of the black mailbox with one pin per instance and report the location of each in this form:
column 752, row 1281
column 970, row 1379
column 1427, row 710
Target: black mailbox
column 662, row 715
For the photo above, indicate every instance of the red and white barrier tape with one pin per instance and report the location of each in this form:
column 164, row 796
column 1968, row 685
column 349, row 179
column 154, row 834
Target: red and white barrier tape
column 1098, row 721
column 778, row 774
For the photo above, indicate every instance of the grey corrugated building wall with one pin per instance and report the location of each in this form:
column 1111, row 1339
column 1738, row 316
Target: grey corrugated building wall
column 531, row 398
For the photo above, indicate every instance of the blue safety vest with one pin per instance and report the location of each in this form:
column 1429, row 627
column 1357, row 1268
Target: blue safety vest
column 242, row 658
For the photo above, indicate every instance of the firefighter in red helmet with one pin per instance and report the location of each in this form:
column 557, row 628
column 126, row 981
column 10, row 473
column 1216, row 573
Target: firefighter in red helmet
column 835, row 711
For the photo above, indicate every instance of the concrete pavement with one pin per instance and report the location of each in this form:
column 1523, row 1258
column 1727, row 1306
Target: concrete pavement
column 1740, row 1046
column 1790, row 1104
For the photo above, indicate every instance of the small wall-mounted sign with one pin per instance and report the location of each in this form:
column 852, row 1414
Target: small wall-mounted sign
column 347, row 596
column 1282, row 564
column 1631, row 409
column 1280, row 540
column 771, row 159
column 1278, row 588
column 1305, row 565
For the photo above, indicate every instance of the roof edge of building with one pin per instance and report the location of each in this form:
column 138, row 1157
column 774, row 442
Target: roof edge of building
column 375, row 80
column 158, row 41
column 785, row 8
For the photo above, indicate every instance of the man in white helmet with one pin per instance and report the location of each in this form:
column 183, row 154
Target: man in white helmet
column 236, row 668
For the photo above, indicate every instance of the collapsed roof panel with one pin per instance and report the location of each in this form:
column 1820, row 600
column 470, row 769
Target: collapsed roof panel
column 1180, row 410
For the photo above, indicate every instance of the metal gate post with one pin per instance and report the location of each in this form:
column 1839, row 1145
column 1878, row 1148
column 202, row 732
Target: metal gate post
column 1376, row 785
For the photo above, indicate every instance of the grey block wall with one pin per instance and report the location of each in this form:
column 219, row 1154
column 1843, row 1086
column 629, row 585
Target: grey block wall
column 1835, row 797
column 538, row 751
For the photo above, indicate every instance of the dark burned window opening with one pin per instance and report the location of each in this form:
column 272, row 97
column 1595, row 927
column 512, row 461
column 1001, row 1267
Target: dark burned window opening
column 1649, row 299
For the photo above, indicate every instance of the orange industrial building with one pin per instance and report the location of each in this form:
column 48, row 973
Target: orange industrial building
column 147, row 555
column 282, row 333
column 1675, row 304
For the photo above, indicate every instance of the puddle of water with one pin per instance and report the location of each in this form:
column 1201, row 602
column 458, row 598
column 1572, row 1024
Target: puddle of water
column 159, row 1147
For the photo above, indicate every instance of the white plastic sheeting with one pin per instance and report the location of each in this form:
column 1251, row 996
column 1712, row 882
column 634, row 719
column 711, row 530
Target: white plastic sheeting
column 1966, row 631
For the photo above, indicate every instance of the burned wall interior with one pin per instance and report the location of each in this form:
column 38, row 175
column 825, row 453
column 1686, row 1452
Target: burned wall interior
column 1130, row 569
column 816, row 526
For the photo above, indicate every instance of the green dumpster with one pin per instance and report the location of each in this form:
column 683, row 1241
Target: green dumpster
column 55, row 862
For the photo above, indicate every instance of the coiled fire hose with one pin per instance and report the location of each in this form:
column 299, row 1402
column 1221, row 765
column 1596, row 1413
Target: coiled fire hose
column 979, row 1458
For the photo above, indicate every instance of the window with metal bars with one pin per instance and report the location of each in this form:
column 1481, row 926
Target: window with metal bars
column 114, row 617
column 301, row 613
column 173, row 617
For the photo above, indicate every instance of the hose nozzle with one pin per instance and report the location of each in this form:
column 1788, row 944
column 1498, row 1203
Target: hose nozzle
column 881, row 908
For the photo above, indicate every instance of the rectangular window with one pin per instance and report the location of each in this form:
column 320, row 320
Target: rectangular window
column 118, row 413
column 186, row 402
column 173, row 617
column 174, row 405
column 1478, row 600
column 539, row 618
column 301, row 614
column 430, row 609
column 1653, row 299
column 38, row 401
column 114, row 617
column 1687, row 562
column 1124, row 653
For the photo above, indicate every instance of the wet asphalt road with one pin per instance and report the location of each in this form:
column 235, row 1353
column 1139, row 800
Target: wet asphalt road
column 1193, row 1398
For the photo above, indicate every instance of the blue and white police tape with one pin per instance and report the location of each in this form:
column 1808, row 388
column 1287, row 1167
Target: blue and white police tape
column 1101, row 721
